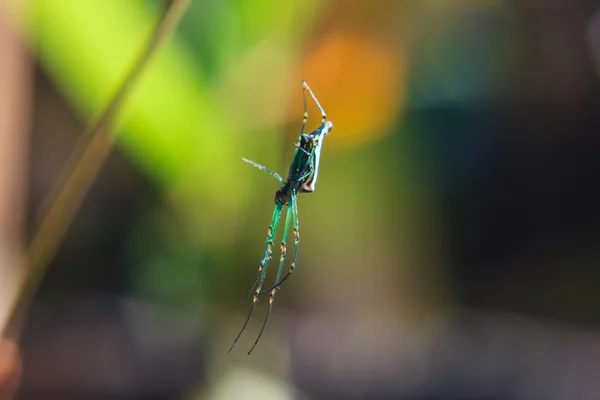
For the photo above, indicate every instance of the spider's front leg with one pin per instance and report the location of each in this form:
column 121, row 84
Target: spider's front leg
column 265, row 169
column 305, row 87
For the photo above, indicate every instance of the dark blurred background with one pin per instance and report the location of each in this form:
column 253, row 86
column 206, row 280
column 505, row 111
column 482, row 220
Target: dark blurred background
column 451, row 251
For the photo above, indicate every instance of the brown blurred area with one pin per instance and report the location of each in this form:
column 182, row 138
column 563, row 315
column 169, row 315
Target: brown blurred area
column 38, row 131
column 16, row 81
column 83, row 297
column 10, row 369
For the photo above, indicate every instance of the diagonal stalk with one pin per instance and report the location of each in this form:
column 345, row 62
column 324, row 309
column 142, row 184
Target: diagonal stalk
column 86, row 160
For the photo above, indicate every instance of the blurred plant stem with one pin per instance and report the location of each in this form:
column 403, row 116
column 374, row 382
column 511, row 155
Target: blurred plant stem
column 80, row 171
column 16, row 80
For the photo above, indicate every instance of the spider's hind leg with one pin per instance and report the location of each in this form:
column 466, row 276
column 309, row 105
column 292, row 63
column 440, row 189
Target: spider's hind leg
column 262, row 267
column 274, row 289
column 294, row 209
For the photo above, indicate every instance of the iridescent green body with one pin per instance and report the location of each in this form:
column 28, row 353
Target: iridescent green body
column 302, row 177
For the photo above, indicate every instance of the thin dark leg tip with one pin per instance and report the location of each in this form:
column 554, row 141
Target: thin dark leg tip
column 253, row 346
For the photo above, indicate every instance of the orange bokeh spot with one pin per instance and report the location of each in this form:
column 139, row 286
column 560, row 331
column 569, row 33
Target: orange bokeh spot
column 360, row 81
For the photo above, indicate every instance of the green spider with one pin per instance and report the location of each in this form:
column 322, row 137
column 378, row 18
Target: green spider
column 302, row 177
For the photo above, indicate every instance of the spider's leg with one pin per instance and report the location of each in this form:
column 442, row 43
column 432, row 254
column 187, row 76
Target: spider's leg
column 305, row 116
column 265, row 169
column 262, row 267
column 294, row 207
column 301, row 149
column 286, row 230
column 323, row 115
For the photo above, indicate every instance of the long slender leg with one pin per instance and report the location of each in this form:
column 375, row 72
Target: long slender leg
column 286, row 230
column 296, row 145
column 305, row 117
column 262, row 267
column 265, row 169
column 307, row 88
column 294, row 206
column 267, row 252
